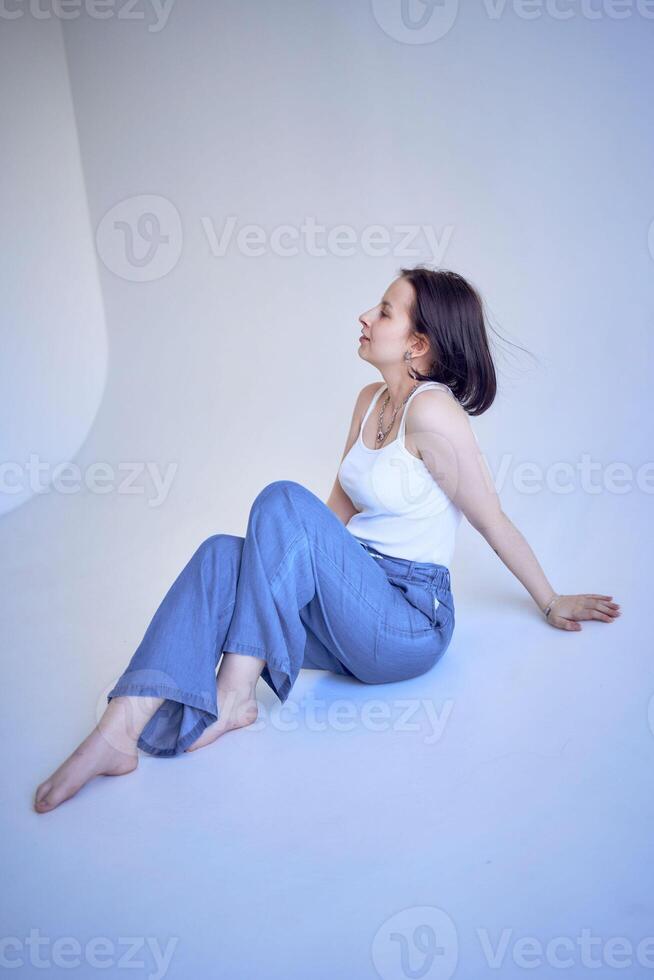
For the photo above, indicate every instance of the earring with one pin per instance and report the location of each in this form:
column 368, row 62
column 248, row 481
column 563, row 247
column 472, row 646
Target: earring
column 407, row 361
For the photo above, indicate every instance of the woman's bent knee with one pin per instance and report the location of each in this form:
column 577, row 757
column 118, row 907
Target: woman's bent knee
column 209, row 545
column 277, row 489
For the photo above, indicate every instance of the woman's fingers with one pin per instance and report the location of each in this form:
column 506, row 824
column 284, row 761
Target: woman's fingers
column 598, row 614
column 596, row 609
column 608, row 607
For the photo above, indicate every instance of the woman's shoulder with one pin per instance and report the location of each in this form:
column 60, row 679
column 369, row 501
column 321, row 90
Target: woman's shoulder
column 371, row 388
column 366, row 395
column 435, row 408
column 432, row 394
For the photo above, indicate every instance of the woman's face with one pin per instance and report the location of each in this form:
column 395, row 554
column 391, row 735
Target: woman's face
column 386, row 328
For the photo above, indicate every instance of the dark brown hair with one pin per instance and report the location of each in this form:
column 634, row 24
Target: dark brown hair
column 449, row 312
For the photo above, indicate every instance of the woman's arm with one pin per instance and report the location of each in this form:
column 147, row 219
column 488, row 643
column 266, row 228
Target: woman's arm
column 441, row 430
column 338, row 500
column 340, row 503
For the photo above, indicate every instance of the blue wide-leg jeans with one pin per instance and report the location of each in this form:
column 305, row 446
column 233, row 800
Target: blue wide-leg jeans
column 299, row 590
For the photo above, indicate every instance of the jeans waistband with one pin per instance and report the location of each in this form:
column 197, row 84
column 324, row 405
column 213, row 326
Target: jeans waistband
column 413, row 571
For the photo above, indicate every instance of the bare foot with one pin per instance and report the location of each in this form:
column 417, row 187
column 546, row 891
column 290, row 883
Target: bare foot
column 237, row 708
column 95, row 756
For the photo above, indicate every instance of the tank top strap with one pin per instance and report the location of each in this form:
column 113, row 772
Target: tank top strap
column 426, row 384
column 375, row 399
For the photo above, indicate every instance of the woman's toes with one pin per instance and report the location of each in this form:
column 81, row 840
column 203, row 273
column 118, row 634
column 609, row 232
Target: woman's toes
column 54, row 793
column 94, row 757
column 46, row 801
column 41, row 796
column 44, row 804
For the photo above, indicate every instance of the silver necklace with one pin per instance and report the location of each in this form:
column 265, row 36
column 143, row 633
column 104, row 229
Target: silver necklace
column 381, row 435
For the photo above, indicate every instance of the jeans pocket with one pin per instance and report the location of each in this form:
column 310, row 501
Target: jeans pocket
column 442, row 606
column 418, row 595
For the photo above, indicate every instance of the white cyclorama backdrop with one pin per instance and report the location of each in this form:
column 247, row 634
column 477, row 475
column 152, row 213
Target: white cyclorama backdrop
column 199, row 203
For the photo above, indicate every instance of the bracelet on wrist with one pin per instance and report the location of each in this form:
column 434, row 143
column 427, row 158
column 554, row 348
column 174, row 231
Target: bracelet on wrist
column 548, row 608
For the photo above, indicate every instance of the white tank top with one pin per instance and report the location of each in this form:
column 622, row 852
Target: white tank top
column 403, row 511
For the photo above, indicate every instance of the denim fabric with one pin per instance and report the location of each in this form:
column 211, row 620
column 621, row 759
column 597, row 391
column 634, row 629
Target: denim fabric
column 299, row 590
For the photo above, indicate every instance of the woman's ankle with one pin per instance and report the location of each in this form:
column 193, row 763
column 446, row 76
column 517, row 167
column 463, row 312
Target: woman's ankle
column 124, row 719
column 237, row 704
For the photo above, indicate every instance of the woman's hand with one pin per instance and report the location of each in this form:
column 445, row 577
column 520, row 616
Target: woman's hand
column 568, row 609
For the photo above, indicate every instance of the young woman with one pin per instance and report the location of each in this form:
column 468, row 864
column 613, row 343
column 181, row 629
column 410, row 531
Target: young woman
column 360, row 585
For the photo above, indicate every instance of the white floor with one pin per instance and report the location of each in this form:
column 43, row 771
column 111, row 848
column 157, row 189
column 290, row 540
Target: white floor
column 452, row 825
